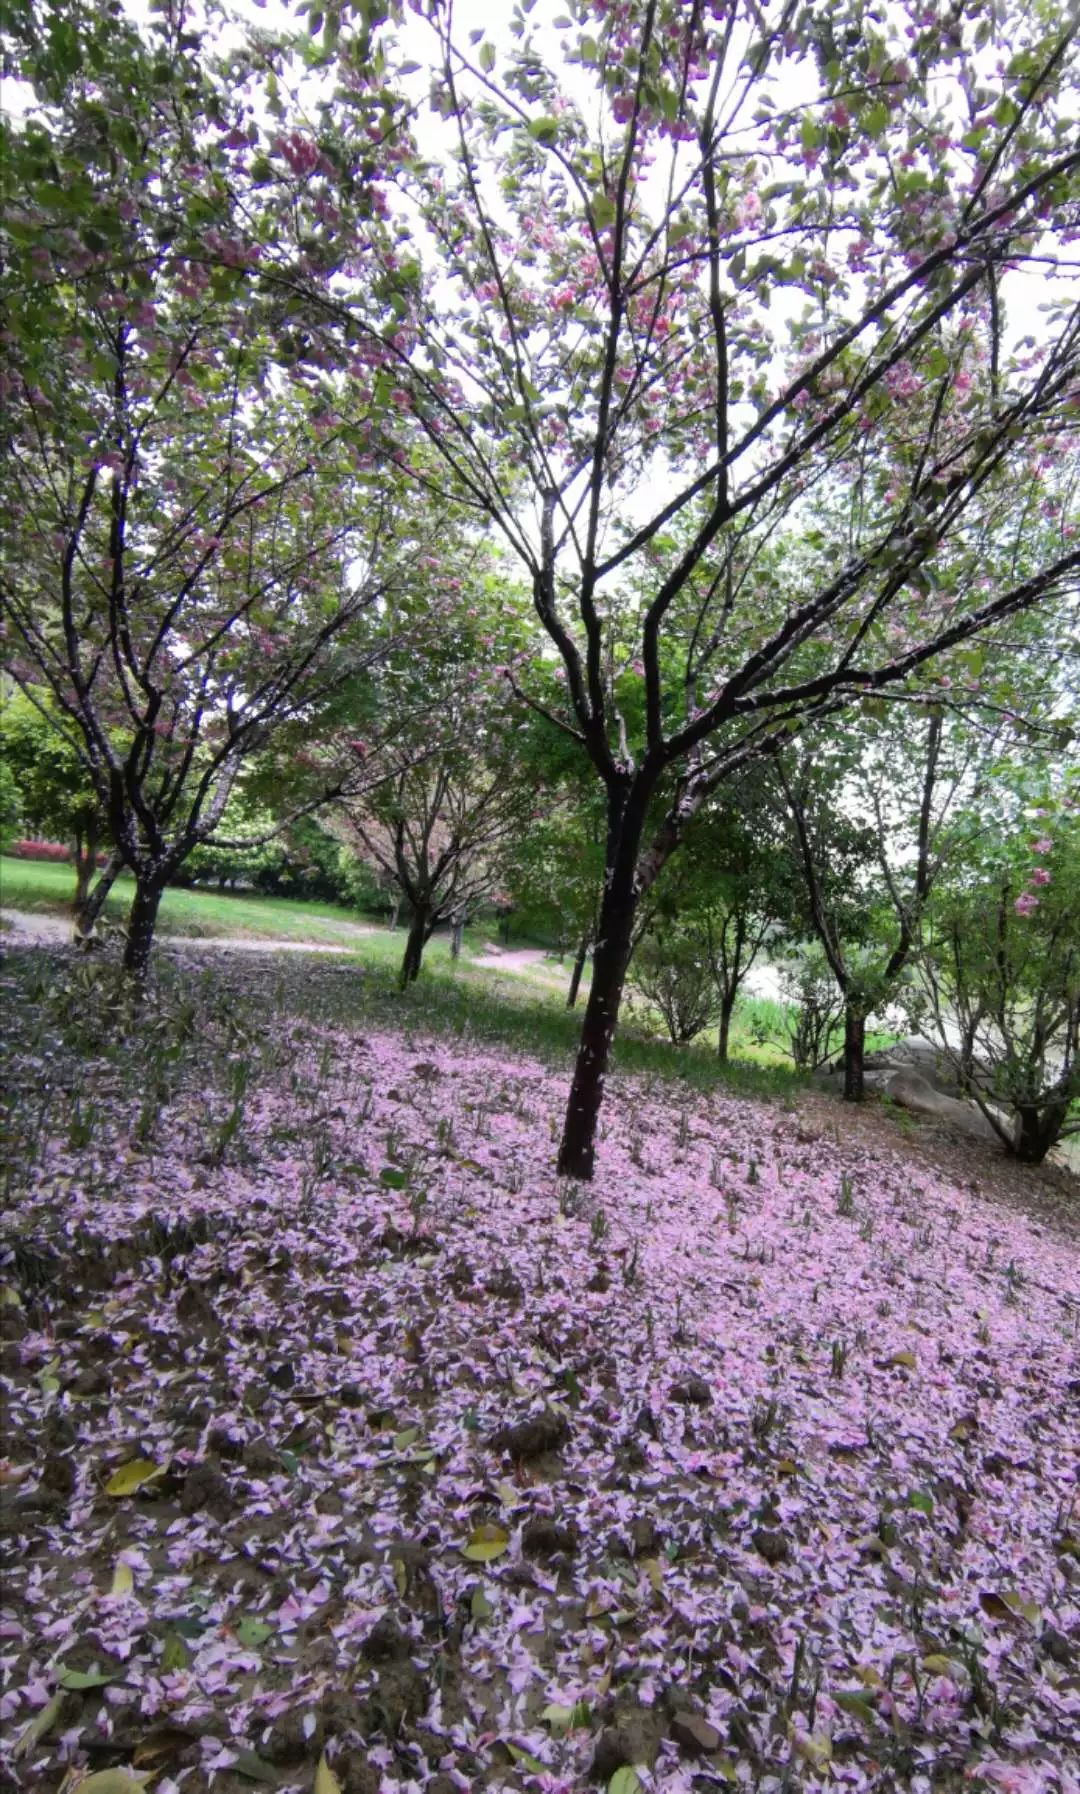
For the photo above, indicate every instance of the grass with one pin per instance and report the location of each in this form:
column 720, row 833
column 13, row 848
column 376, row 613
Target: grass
column 46, row 885
column 522, row 1010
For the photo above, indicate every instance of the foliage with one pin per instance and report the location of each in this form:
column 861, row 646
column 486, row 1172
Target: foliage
column 1002, row 969
column 672, row 970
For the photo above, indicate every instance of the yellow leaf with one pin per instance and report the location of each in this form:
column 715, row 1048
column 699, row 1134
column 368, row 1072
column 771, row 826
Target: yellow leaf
column 939, row 1665
column 507, row 1494
column 123, row 1581
column 114, row 1781
column 326, row 1782
column 904, row 1360
column 485, row 1543
column 654, row 1570
column 401, row 1575
column 814, row 1746
column 132, row 1476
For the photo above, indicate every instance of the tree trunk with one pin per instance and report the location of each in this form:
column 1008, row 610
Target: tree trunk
column 85, row 863
column 87, row 913
column 727, row 1004
column 854, row 1053
column 577, row 970
column 611, row 956
column 1037, row 1130
column 457, row 931
column 140, row 929
column 395, row 913
column 418, row 937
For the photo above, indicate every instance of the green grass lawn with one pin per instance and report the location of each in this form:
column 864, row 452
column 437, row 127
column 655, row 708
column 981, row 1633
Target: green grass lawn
column 523, row 1008
column 49, row 885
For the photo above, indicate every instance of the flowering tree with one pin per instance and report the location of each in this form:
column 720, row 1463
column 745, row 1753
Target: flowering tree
column 55, row 796
column 687, row 268
column 1002, row 966
column 198, row 549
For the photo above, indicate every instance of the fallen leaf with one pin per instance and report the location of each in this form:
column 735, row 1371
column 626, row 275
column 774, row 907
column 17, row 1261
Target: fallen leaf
column 37, row 1728
column 132, row 1476
column 246, row 1763
column 326, row 1782
column 78, row 1679
column 123, row 1581
column 485, row 1543
column 113, row 1781
column 625, row 1781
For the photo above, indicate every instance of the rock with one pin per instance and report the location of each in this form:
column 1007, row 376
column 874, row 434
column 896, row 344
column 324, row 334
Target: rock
column 644, row 1538
column 692, row 1392
column 58, row 1474
column 504, row 1286
column 532, row 1438
column 1055, row 1644
column 401, row 1694
column 600, row 1281
column 544, row 1537
column 205, row 1487
column 219, row 1439
column 773, row 1546
column 912, row 1091
column 357, row 1775
column 693, row 1734
column 386, row 1642
column 261, row 1459
column 633, row 1737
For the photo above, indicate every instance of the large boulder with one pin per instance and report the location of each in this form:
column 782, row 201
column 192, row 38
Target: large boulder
column 912, row 1091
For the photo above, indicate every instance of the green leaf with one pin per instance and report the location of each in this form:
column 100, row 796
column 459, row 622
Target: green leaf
column 175, row 1655
column 254, row 1768
column 485, row 1543
column 252, row 1633
column 132, row 1476
column 921, row 1499
column 38, row 1727
column 326, row 1782
column 852, row 1701
column 523, row 1757
column 487, row 57
column 480, row 1607
column 393, row 1177
column 625, row 1781
column 543, row 130
column 407, row 1436
column 78, row 1679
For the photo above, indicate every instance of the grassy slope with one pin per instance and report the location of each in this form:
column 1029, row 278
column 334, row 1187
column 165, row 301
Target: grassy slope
column 524, row 1009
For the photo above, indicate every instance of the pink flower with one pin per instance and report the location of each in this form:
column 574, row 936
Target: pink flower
column 1042, row 845
column 1040, row 876
column 1025, row 903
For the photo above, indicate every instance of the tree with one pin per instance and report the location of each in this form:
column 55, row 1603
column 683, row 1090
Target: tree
column 602, row 379
column 731, row 888
column 55, row 797
column 1002, row 970
column 198, row 550
column 437, row 832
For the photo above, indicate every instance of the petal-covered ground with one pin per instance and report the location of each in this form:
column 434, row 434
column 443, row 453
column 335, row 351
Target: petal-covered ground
column 340, row 1431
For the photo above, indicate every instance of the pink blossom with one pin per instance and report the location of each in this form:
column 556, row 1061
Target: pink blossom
column 1025, row 903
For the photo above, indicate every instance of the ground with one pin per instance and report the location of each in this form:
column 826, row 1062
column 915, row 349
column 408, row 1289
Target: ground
column 340, row 1430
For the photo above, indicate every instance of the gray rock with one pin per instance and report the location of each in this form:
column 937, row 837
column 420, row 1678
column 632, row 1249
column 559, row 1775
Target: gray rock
column 912, row 1091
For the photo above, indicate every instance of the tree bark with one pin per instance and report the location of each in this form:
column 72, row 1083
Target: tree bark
column 142, row 920
column 87, row 913
column 418, row 936
column 611, row 956
column 577, row 971
column 726, row 1006
column 854, row 1053
column 1037, row 1130
column 457, row 931
column 85, row 863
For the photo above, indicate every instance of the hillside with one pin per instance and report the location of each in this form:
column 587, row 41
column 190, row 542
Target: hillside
column 341, row 1430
